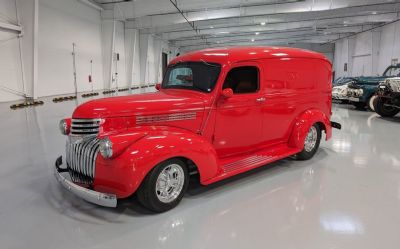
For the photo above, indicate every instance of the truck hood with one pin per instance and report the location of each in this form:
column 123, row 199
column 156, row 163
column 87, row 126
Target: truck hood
column 161, row 102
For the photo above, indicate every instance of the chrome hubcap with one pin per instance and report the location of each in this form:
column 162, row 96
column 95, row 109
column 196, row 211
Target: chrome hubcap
column 311, row 139
column 170, row 183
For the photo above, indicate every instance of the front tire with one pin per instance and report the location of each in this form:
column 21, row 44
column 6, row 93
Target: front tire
column 359, row 105
column 383, row 110
column 372, row 102
column 164, row 187
column 311, row 143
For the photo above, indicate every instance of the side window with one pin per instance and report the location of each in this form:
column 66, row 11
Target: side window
column 242, row 80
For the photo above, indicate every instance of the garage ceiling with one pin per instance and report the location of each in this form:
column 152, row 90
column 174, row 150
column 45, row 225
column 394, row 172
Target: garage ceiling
column 193, row 24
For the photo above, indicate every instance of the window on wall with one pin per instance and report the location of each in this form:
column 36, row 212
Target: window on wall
column 242, row 80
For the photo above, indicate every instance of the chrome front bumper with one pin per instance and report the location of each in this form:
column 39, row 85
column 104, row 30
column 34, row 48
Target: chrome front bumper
column 102, row 199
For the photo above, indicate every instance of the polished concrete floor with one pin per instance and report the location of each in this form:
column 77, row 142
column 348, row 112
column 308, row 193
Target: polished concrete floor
column 347, row 196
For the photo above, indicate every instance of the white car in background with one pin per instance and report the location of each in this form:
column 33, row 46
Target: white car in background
column 340, row 89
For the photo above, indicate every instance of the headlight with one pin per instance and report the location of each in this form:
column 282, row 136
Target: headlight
column 63, row 125
column 106, row 148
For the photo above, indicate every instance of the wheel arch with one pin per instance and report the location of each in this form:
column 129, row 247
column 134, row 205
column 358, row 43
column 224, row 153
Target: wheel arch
column 303, row 122
column 155, row 148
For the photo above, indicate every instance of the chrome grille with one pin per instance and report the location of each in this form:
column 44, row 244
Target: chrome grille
column 85, row 126
column 81, row 159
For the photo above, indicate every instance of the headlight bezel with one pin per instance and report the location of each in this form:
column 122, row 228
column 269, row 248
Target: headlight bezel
column 63, row 126
column 106, row 148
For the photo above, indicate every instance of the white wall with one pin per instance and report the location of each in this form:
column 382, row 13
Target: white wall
column 368, row 53
column 390, row 45
column 49, row 29
column 119, row 68
column 62, row 23
column 132, row 58
column 10, row 64
column 151, row 48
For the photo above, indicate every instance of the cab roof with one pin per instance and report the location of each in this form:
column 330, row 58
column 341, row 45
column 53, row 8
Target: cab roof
column 229, row 55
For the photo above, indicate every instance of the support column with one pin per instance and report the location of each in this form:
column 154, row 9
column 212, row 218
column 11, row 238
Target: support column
column 108, row 32
column 143, row 47
column 29, row 18
column 131, row 44
column 376, row 40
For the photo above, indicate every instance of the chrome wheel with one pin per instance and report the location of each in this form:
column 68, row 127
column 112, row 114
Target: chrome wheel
column 311, row 139
column 170, row 183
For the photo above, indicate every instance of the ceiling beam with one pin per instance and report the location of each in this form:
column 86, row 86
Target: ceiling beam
column 167, row 23
column 241, row 5
column 265, row 40
column 331, row 29
column 288, row 25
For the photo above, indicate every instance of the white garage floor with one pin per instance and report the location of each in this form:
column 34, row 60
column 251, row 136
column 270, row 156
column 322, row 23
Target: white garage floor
column 347, row 196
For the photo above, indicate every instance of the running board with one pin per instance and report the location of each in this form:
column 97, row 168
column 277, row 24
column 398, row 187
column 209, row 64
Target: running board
column 239, row 164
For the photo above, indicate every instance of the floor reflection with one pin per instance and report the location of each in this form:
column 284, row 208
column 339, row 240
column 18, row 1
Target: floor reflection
column 347, row 196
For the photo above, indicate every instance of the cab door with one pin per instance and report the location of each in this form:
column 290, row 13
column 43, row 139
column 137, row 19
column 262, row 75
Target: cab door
column 238, row 127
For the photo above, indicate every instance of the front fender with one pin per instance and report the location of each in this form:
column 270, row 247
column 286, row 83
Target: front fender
column 368, row 91
column 303, row 124
column 123, row 174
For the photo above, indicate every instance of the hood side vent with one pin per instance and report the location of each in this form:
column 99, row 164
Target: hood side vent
column 165, row 118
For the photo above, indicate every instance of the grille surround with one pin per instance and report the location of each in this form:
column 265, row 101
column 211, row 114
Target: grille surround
column 85, row 127
column 81, row 159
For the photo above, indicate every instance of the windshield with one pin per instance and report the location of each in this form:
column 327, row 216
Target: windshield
column 199, row 76
column 392, row 71
column 341, row 81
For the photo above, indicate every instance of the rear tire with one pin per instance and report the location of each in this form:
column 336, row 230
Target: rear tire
column 164, row 186
column 385, row 111
column 311, row 143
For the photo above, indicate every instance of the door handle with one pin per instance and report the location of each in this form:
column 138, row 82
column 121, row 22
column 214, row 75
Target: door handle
column 262, row 99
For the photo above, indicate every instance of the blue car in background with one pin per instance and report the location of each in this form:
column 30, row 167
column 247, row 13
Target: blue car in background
column 361, row 91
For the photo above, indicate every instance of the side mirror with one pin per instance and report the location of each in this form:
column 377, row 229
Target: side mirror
column 227, row 92
column 158, row 86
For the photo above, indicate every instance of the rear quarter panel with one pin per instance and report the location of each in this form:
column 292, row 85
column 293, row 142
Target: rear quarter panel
column 293, row 86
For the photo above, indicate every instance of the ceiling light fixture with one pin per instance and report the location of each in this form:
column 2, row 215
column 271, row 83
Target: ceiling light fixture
column 374, row 13
column 252, row 40
column 211, row 27
column 257, row 33
column 262, row 23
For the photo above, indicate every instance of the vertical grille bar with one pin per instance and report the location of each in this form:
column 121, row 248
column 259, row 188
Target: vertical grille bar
column 81, row 159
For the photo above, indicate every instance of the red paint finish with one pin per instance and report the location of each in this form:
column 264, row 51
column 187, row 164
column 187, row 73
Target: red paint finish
column 222, row 133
